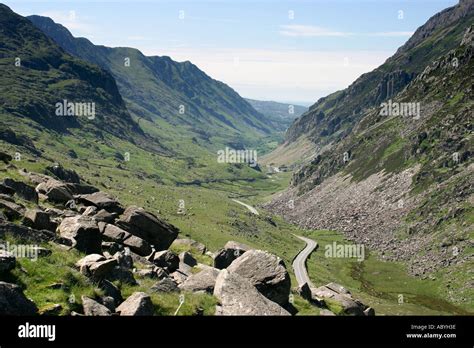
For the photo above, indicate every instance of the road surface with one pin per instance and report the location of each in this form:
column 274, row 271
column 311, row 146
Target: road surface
column 299, row 264
column 249, row 207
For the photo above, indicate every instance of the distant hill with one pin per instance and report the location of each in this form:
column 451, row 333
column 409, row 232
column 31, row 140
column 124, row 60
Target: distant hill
column 281, row 114
column 177, row 99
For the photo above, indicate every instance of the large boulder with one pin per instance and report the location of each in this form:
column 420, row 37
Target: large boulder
column 165, row 285
column 138, row 304
column 147, row 226
column 232, row 250
column 94, row 308
column 5, row 157
column 237, row 296
column 96, row 266
column 67, row 175
column 101, row 200
column 202, row 281
column 167, row 260
column 38, row 219
column 138, row 245
column 14, row 302
column 7, row 261
column 56, row 191
column 266, row 272
column 83, row 232
column 22, row 190
column 343, row 297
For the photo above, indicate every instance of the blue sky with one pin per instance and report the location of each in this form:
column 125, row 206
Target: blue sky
column 290, row 51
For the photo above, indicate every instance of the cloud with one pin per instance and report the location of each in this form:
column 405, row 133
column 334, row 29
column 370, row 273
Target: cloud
column 309, row 31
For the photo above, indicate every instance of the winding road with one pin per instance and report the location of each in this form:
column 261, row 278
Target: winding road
column 299, row 263
column 249, row 207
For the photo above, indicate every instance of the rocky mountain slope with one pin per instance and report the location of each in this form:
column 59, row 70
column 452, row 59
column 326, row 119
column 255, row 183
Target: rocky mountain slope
column 87, row 254
column 399, row 183
column 178, row 99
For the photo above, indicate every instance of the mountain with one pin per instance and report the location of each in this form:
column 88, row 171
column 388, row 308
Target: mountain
column 334, row 116
column 392, row 156
column 36, row 75
column 280, row 114
column 178, row 101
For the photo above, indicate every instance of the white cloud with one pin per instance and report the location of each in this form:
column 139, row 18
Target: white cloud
column 309, row 31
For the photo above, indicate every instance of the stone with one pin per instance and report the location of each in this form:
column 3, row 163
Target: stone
column 102, row 269
column 83, row 232
column 67, row 175
column 111, row 290
column 11, row 210
column 147, row 226
column 22, row 190
column 101, row 200
column 369, row 312
column 167, row 260
column 202, row 281
column 112, row 233
column 237, row 296
column 56, row 191
column 342, row 296
column 105, row 216
column 90, row 211
column 7, row 261
column 138, row 245
column 94, row 308
column 5, row 157
column 38, row 219
column 14, row 302
column 232, row 250
column 266, row 272
column 188, row 259
column 165, row 285
column 89, row 260
column 178, row 276
column 138, row 304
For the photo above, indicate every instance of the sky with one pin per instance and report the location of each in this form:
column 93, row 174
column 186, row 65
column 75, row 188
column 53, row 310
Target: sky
column 289, row 51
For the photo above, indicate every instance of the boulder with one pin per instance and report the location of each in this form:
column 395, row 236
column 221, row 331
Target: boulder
column 11, row 210
column 83, row 232
column 56, row 191
column 165, row 285
column 342, row 296
column 5, row 190
column 89, row 260
column 104, row 215
column 138, row 304
column 112, row 233
column 38, row 219
column 101, row 200
column 7, row 261
column 147, row 226
column 111, row 290
column 25, row 233
column 369, row 312
column 191, row 244
column 14, row 302
column 102, row 269
column 5, row 157
column 232, row 250
column 138, row 245
column 187, row 259
column 178, row 276
column 22, row 190
column 237, row 296
column 94, row 308
column 266, row 272
column 90, row 211
column 67, row 175
column 202, row 281
column 167, row 260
